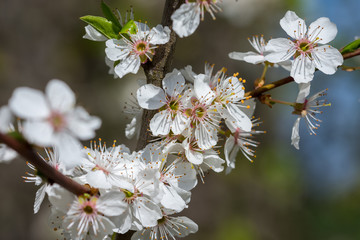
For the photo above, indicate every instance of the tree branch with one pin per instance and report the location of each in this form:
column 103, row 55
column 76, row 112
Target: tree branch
column 54, row 176
column 156, row 70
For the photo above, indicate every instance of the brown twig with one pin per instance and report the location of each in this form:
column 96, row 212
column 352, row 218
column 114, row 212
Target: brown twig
column 54, row 176
column 156, row 69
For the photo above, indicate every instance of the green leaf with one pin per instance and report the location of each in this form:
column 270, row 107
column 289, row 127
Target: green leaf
column 109, row 15
column 129, row 27
column 104, row 26
column 17, row 135
column 351, row 47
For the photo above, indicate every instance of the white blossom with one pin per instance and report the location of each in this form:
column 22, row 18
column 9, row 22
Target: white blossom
column 104, row 166
column 87, row 216
column 170, row 102
column 305, row 48
column 186, row 18
column 307, row 108
column 176, row 178
column 139, row 48
column 51, row 119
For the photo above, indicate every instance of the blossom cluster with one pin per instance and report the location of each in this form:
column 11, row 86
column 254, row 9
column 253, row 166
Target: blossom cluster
column 201, row 123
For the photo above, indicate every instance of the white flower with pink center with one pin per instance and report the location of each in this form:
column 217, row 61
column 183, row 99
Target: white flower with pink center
column 141, row 195
column 170, row 103
column 138, row 48
column 205, row 118
column 187, row 18
column 87, row 216
column 307, row 108
column 186, row 157
column 305, row 48
column 104, row 166
column 51, row 119
column 176, row 178
column 243, row 141
column 222, row 97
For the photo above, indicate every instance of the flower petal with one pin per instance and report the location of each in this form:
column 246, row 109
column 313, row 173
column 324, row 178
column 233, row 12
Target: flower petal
column 304, row 91
column 61, row 97
column 116, row 49
column 173, row 83
column 39, row 132
column 171, row 199
column 242, row 121
column 6, row 154
column 93, row 34
column 254, row 59
column 70, row 153
column 186, row 19
column 151, row 97
column 322, row 29
column 206, row 136
column 98, row 179
column 294, row 26
column 159, row 35
column 240, row 55
column 179, row 124
column 202, row 90
column 279, row 50
column 130, row 64
column 6, row 119
column 303, row 69
column 110, row 204
column 327, row 59
column 147, row 212
column 160, row 123
column 39, row 198
column 29, row 103
column 295, row 137
column 212, row 161
column 82, row 125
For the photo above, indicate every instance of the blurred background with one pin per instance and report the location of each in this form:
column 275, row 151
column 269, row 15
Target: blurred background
column 313, row 193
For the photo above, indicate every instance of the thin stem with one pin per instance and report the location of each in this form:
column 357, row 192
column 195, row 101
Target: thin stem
column 264, row 71
column 54, row 176
column 282, row 102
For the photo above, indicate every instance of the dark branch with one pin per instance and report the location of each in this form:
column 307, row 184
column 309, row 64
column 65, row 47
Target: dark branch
column 54, row 176
column 156, row 70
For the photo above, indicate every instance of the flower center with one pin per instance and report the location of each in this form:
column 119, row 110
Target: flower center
column 128, row 194
column 131, row 196
column 88, row 204
column 162, row 220
column 141, row 47
column 57, row 120
column 174, row 105
column 200, row 112
column 300, row 108
column 304, row 47
column 88, row 209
